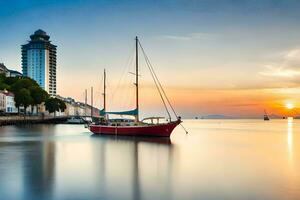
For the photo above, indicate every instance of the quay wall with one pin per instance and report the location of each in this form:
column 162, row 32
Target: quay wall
column 14, row 120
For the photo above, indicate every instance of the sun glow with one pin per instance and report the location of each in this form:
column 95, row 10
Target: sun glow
column 289, row 106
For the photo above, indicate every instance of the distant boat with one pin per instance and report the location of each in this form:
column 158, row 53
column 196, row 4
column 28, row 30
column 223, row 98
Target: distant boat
column 266, row 117
column 75, row 120
column 136, row 127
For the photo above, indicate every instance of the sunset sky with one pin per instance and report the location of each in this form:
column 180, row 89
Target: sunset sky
column 226, row 57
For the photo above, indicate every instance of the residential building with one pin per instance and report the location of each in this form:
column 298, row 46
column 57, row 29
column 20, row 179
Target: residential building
column 14, row 73
column 3, row 69
column 8, row 72
column 7, row 102
column 2, row 102
column 39, row 61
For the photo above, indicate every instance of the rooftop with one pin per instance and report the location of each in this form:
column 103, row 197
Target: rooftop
column 2, row 66
column 40, row 35
column 40, row 32
column 7, row 93
column 15, row 71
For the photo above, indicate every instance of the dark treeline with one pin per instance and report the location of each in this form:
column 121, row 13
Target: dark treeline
column 27, row 93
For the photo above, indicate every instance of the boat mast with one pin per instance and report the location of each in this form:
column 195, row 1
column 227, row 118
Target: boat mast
column 92, row 108
column 137, row 77
column 104, row 91
column 85, row 102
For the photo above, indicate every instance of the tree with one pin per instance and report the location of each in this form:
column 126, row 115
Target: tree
column 23, row 98
column 54, row 105
column 25, row 89
column 38, row 95
column 2, row 77
column 62, row 105
column 4, row 86
column 11, row 80
column 23, row 83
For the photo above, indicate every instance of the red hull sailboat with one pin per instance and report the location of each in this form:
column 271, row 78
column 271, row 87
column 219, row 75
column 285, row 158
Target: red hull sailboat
column 157, row 130
column 136, row 127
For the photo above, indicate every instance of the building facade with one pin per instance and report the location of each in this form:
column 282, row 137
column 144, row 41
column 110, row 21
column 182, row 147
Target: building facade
column 2, row 102
column 14, row 73
column 7, row 102
column 8, row 72
column 39, row 61
column 3, row 69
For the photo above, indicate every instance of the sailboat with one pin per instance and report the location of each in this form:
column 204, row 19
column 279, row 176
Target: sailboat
column 266, row 117
column 151, row 126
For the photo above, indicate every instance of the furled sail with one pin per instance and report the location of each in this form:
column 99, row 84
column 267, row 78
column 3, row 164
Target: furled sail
column 127, row 112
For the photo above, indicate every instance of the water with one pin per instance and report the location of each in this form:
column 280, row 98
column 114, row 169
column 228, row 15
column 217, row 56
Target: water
column 219, row 159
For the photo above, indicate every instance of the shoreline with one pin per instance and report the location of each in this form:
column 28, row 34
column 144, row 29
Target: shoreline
column 18, row 120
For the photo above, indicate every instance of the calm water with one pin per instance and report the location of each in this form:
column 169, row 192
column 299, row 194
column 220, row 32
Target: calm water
column 219, row 159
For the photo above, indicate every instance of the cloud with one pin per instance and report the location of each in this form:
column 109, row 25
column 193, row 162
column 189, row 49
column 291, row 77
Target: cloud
column 190, row 36
column 202, row 36
column 243, row 104
column 293, row 54
column 288, row 67
column 279, row 72
column 174, row 37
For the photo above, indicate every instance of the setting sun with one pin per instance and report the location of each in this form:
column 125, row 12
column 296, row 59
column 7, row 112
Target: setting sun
column 289, row 105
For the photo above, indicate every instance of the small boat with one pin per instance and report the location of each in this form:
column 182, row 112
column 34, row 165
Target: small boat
column 75, row 120
column 151, row 126
column 266, row 117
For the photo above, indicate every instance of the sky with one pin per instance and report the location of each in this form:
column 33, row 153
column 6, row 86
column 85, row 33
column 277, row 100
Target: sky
column 230, row 57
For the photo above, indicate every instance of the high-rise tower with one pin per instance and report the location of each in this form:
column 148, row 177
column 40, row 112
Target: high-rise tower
column 39, row 61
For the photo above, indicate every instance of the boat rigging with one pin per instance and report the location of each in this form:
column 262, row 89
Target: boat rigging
column 137, row 127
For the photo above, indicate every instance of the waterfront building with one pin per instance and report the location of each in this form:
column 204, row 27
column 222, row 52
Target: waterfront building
column 8, row 72
column 39, row 61
column 14, row 73
column 3, row 69
column 2, row 102
column 7, row 102
column 73, row 108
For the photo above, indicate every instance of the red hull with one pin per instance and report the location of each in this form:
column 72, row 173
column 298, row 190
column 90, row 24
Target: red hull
column 156, row 130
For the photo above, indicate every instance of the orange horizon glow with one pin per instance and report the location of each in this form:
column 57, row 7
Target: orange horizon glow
column 289, row 105
column 192, row 102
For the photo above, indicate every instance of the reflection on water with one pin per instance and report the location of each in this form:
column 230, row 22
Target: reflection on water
column 290, row 137
column 230, row 159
